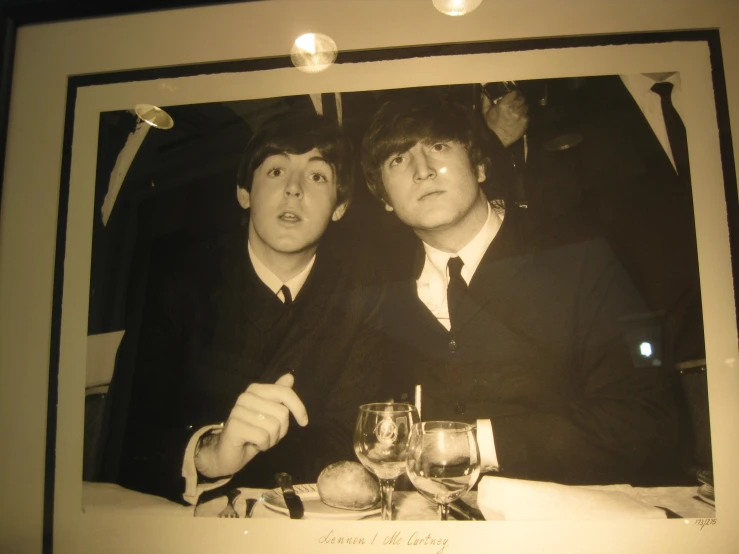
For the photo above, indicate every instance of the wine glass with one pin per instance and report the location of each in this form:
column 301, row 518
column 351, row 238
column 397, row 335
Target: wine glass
column 381, row 443
column 443, row 461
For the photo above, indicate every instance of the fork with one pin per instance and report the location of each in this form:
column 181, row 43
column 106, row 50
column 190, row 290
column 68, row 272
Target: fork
column 229, row 510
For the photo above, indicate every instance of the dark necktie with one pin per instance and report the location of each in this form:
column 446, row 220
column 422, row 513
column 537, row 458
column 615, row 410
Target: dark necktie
column 328, row 101
column 286, row 294
column 456, row 290
column 675, row 130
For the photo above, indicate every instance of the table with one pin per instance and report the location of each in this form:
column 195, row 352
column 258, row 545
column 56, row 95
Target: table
column 108, row 498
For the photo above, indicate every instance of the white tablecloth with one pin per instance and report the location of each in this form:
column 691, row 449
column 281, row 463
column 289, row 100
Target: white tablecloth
column 114, row 499
column 108, row 498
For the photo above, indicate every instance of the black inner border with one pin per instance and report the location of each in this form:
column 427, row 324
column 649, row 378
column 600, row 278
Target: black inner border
column 711, row 37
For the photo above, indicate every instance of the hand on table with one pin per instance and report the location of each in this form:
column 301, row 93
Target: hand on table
column 258, row 421
column 508, row 117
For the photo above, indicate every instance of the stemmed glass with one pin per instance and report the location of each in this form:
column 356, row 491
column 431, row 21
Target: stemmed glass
column 443, row 461
column 381, row 444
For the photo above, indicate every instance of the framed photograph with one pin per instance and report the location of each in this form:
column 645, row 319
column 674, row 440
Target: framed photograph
column 130, row 188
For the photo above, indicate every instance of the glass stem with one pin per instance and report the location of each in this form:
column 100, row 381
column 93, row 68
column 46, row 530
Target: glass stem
column 387, row 486
column 443, row 512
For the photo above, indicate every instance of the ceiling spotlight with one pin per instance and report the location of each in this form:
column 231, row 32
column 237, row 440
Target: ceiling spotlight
column 456, row 7
column 156, row 117
column 313, row 52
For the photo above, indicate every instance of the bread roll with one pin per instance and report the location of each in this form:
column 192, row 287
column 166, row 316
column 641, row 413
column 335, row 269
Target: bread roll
column 349, row 486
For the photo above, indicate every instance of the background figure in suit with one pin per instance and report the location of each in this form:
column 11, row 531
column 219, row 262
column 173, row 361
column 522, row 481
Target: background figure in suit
column 250, row 363
column 531, row 344
column 640, row 202
column 599, row 162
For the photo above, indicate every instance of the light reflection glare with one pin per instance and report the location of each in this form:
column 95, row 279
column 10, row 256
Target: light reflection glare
column 307, row 42
column 442, row 170
column 154, row 116
column 456, row 7
column 313, row 52
column 646, row 349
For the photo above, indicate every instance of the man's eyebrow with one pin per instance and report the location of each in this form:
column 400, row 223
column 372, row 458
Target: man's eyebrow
column 318, row 159
column 277, row 154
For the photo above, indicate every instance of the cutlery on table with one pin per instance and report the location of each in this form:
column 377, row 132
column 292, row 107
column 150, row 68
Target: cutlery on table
column 229, row 510
column 462, row 510
column 251, row 503
column 292, row 500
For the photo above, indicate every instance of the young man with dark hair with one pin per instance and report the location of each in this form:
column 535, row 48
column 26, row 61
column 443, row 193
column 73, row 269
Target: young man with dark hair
column 263, row 372
column 531, row 345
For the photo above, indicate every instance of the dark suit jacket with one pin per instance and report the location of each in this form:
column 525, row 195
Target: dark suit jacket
column 619, row 183
column 543, row 353
column 209, row 334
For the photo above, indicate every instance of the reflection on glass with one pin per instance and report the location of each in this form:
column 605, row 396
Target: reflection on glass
column 443, row 461
column 381, row 444
column 456, row 7
column 156, row 117
column 646, row 349
column 313, row 52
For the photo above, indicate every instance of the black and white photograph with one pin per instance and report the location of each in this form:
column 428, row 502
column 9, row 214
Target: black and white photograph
column 408, row 297
column 263, row 261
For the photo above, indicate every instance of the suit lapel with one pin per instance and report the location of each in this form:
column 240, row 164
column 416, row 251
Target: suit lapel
column 482, row 287
column 321, row 284
column 405, row 317
column 310, row 308
column 254, row 299
column 408, row 313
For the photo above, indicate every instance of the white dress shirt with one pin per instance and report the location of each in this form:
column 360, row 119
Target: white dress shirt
column 432, row 291
column 273, row 282
column 650, row 103
column 193, row 489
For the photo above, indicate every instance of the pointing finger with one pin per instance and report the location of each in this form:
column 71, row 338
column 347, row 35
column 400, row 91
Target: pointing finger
column 286, row 380
column 285, row 396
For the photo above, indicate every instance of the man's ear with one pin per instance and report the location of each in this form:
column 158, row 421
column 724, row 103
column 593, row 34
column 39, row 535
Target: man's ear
column 339, row 211
column 242, row 195
column 481, row 174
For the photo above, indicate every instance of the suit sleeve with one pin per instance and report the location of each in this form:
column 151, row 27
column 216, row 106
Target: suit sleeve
column 157, row 432
column 619, row 422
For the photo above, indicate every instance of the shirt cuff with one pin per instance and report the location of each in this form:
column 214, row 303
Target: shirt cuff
column 486, row 444
column 193, row 489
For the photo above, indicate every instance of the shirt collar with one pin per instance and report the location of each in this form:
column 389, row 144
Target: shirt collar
column 641, row 85
column 472, row 253
column 273, row 282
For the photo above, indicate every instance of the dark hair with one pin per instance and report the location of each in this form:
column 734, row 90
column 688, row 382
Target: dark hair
column 298, row 132
column 422, row 116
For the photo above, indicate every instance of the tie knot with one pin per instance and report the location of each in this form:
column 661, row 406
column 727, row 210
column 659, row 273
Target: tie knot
column 286, row 294
column 664, row 89
column 455, row 266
